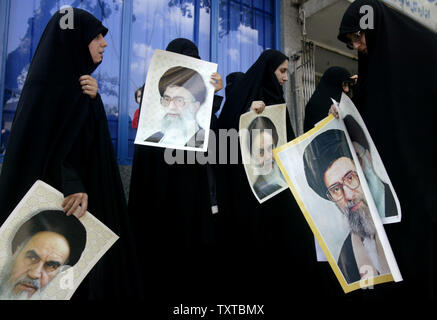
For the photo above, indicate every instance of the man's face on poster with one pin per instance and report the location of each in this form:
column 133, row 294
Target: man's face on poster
column 180, row 108
column 262, row 149
column 344, row 188
column 36, row 264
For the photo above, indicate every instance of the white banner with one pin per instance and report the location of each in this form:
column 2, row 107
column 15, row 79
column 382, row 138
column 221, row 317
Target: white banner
column 424, row 11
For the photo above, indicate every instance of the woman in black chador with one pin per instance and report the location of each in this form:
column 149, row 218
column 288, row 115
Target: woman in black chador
column 397, row 64
column 334, row 81
column 170, row 205
column 268, row 247
column 60, row 135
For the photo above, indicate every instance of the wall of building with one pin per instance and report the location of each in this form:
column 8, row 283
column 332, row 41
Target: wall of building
column 291, row 43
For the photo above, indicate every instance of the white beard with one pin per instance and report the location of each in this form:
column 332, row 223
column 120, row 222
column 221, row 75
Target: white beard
column 6, row 288
column 178, row 130
column 7, row 293
column 361, row 222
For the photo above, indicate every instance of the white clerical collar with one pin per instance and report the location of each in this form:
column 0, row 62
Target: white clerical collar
column 370, row 246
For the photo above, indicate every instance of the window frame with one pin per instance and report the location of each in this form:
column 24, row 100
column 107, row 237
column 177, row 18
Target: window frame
column 5, row 8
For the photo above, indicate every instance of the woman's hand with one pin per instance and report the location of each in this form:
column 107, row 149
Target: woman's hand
column 89, row 86
column 217, row 81
column 333, row 110
column 258, row 106
column 72, row 202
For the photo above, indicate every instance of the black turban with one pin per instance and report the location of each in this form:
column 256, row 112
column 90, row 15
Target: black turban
column 186, row 78
column 58, row 222
column 355, row 131
column 320, row 154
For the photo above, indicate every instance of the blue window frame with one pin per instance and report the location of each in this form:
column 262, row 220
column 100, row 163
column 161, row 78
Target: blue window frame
column 231, row 33
column 4, row 14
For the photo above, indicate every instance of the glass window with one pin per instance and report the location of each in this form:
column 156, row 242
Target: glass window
column 268, row 6
column 155, row 24
column 245, row 30
column 259, row 4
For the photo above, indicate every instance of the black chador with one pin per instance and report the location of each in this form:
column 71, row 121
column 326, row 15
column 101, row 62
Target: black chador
column 266, row 246
column 396, row 95
column 60, row 135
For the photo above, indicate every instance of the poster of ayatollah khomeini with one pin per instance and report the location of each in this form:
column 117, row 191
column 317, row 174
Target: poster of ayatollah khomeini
column 44, row 253
column 177, row 102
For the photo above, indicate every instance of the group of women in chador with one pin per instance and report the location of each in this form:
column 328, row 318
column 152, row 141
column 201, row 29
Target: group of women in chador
column 171, row 245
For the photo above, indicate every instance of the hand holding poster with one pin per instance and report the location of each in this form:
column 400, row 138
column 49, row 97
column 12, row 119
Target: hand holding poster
column 177, row 102
column 324, row 173
column 45, row 254
column 259, row 135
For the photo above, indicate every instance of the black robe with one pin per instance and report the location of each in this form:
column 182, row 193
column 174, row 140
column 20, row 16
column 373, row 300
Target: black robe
column 231, row 80
column 330, row 86
column 267, row 248
column 171, row 209
column 60, row 136
column 396, row 95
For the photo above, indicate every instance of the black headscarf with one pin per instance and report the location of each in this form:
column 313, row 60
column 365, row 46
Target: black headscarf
column 231, row 80
column 60, row 135
column 183, row 46
column 258, row 83
column 330, row 86
column 396, row 85
column 351, row 24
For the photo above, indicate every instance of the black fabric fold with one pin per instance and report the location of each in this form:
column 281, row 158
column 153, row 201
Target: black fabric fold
column 330, row 86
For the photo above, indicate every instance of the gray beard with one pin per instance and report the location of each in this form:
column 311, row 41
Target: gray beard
column 177, row 124
column 6, row 288
column 360, row 222
column 180, row 123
